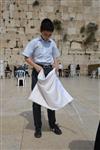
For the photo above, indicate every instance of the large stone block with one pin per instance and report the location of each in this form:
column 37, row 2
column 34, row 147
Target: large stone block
column 30, row 1
column 48, row 8
column 78, row 9
column 70, row 9
column 96, row 3
column 30, row 8
column 95, row 11
column 21, row 30
column 11, row 35
column 25, row 8
column 5, row 14
column 87, row 10
column 64, row 2
column 87, row 2
column 65, row 48
column 79, row 17
column 3, row 44
column 16, row 15
column 30, row 24
column 64, row 9
column 17, row 23
column 67, row 59
column 23, row 16
column 72, row 16
column 94, row 59
column 29, row 15
column 11, row 10
column 42, row 15
column 49, row 3
column 78, row 24
column 99, row 45
column 57, row 37
column 2, row 30
column 65, row 17
column 72, row 3
column 35, row 15
column 23, row 40
column 23, row 2
column 12, row 23
column 29, row 30
column 12, row 43
column 10, row 29
column 51, row 16
column 71, row 30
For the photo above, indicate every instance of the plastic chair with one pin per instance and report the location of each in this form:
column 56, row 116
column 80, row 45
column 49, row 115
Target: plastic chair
column 20, row 75
column 98, row 72
column 93, row 74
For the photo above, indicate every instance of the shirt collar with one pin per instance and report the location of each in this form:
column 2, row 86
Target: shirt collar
column 41, row 39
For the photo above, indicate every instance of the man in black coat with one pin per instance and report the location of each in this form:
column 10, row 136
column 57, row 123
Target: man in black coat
column 97, row 140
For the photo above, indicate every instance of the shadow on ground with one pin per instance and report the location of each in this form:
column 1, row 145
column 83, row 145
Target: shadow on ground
column 81, row 145
column 28, row 115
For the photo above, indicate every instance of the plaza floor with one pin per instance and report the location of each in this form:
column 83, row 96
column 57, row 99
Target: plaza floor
column 78, row 127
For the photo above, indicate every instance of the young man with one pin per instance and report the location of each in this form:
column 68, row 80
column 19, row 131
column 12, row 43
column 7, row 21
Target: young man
column 42, row 53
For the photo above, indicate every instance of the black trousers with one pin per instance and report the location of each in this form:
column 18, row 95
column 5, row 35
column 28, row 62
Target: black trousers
column 97, row 139
column 37, row 107
column 60, row 72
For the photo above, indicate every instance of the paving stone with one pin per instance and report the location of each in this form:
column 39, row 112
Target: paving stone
column 78, row 127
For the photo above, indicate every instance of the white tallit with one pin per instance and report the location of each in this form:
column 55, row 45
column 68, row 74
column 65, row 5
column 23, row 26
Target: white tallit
column 49, row 92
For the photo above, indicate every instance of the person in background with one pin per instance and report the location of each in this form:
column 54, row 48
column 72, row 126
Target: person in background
column 78, row 70
column 26, row 70
column 42, row 53
column 97, row 139
column 8, row 67
column 60, row 69
column 8, row 71
column 69, row 70
column 15, row 69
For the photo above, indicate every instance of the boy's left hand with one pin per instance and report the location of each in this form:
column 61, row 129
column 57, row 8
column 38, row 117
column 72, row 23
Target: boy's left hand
column 55, row 66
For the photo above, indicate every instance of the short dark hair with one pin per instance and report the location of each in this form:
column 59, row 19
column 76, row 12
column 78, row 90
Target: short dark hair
column 47, row 25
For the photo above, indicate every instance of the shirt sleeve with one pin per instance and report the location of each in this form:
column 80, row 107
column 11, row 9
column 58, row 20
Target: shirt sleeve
column 55, row 51
column 29, row 49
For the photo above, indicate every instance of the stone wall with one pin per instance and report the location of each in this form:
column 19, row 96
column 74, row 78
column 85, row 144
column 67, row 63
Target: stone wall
column 20, row 21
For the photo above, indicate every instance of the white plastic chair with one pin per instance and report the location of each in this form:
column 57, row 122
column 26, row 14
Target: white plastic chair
column 20, row 75
column 98, row 72
column 1, row 69
column 93, row 75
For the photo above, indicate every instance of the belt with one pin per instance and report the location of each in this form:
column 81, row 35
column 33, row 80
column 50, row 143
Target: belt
column 45, row 65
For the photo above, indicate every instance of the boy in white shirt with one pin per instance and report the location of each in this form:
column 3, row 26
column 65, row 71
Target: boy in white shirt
column 42, row 53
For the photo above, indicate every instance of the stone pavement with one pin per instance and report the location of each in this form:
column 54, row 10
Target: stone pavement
column 17, row 127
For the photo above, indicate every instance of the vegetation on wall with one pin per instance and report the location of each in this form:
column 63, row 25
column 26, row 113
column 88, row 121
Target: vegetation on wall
column 57, row 25
column 65, row 38
column 88, row 32
column 35, row 3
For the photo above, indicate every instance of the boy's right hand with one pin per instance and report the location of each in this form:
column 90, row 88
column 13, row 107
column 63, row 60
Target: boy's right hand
column 34, row 65
column 38, row 68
